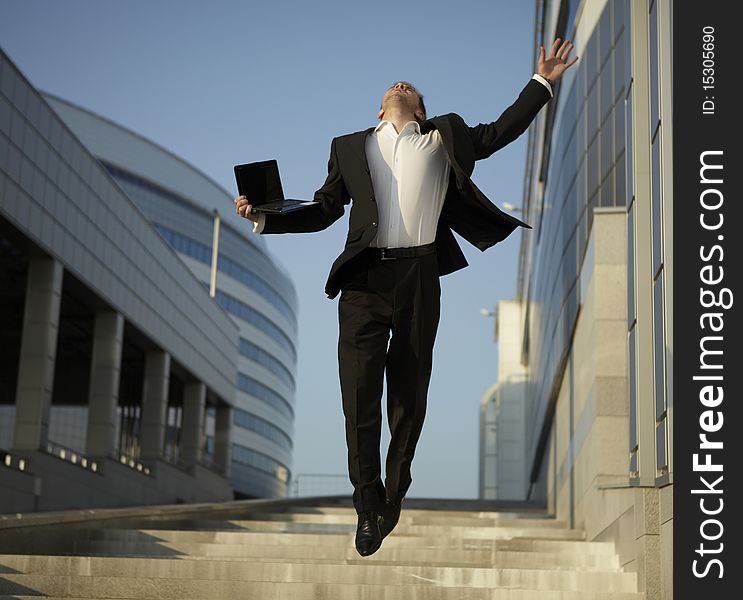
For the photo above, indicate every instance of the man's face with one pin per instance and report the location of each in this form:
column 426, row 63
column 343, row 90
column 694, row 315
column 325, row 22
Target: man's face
column 402, row 95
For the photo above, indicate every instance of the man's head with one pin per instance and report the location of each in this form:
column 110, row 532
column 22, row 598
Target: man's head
column 403, row 96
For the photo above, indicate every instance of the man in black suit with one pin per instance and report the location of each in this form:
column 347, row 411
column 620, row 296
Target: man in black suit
column 409, row 179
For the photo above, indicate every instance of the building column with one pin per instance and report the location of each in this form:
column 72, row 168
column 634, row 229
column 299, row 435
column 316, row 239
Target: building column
column 105, row 373
column 154, row 404
column 223, row 438
column 194, row 402
column 643, row 247
column 38, row 353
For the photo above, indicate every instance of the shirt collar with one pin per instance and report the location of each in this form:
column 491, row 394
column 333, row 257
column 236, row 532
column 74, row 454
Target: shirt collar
column 416, row 126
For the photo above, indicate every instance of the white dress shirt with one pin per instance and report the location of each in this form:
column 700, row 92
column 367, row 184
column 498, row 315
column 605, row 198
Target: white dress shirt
column 410, row 174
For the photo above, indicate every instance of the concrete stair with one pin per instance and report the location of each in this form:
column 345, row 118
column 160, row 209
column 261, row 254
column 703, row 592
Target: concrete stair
column 303, row 552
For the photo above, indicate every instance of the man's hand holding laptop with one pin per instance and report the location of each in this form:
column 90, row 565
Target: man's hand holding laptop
column 245, row 209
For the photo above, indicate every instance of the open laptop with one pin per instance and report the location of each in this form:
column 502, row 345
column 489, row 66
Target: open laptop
column 260, row 183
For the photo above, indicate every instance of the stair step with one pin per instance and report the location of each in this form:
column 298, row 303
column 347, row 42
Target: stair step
column 373, row 574
column 209, row 543
column 387, row 583
column 496, row 533
column 291, row 591
column 349, row 510
column 297, row 552
column 346, row 554
column 58, row 564
column 406, row 518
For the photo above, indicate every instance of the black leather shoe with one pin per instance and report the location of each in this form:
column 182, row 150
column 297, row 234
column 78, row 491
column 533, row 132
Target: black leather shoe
column 368, row 537
column 390, row 517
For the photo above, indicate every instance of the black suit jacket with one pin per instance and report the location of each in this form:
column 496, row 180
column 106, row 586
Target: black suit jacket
column 466, row 209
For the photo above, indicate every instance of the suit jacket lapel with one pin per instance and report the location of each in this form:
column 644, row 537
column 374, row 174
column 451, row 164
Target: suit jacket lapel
column 358, row 145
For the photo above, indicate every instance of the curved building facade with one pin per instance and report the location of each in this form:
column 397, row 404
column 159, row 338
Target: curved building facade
column 124, row 378
column 180, row 202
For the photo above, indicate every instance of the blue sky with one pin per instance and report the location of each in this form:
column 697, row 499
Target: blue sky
column 227, row 82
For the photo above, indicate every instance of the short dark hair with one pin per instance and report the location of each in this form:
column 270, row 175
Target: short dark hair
column 415, row 89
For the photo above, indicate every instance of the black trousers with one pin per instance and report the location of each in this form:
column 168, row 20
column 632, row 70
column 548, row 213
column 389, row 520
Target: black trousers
column 388, row 316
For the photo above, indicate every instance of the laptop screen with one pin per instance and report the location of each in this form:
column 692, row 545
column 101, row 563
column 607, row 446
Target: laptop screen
column 259, row 182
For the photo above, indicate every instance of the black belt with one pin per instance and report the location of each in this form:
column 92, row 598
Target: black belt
column 412, row 252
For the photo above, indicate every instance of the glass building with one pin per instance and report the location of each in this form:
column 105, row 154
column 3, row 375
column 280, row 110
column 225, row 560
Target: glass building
column 595, row 281
column 253, row 288
column 115, row 353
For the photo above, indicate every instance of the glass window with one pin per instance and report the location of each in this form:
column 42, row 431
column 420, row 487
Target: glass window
column 619, row 8
column 572, row 9
column 653, row 74
column 5, row 112
column 633, row 464
column 592, row 113
column 618, row 129
column 592, row 168
column 661, row 443
column 17, row 125
column 607, row 146
column 571, row 266
column 248, row 420
column 580, row 84
column 607, row 190
column 27, row 175
column 203, row 253
column 13, row 162
column 607, row 90
column 606, row 34
column 267, row 360
column 255, row 388
column 592, row 59
column 252, row 316
column 632, row 383
column 580, row 137
column 55, row 134
column 569, row 164
column 7, row 80
column 592, row 203
column 659, row 348
column 41, row 154
column 569, row 113
column 628, row 146
column 620, row 64
column 570, row 211
column 258, row 460
column 580, row 188
column 20, row 94
column 620, row 176
column 656, row 177
column 630, row 265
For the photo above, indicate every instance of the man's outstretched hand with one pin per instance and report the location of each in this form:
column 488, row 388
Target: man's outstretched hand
column 556, row 63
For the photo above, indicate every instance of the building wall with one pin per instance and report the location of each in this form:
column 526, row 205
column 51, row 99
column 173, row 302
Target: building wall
column 79, row 263
column 60, row 197
column 180, row 202
column 502, row 414
column 128, row 226
column 595, row 281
